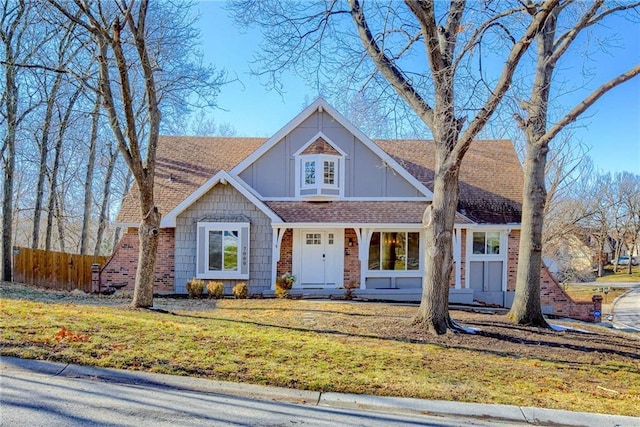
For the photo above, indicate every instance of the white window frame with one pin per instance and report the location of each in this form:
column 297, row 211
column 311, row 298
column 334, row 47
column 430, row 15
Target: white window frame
column 502, row 256
column 202, row 257
column 318, row 160
column 385, row 273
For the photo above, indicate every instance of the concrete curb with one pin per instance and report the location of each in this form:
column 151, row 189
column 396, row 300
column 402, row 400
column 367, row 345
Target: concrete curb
column 486, row 412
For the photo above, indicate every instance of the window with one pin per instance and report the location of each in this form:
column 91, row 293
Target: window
column 223, row 250
column 486, row 243
column 394, row 251
column 314, row 239
column 309, row 173
column 319, row 175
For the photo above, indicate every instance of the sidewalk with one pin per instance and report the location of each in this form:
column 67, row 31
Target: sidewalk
column 485, row 412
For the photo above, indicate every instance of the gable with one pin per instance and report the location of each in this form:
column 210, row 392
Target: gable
column 363, row 170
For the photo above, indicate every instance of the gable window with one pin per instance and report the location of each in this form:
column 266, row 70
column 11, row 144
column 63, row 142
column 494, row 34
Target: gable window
column 319, row 166
column 394, row 251
column 486, row 243
column 223, row 250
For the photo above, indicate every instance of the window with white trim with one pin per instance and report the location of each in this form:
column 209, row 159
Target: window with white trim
column 394, row 251
column 486, row 243
column 319, row 173
column 223, row 250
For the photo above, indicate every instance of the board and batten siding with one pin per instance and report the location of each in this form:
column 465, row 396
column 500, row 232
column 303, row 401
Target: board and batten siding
column 224, row 201
column 273, row 174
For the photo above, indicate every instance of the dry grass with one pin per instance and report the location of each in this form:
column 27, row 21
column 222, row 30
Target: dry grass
column 586, row 292
column 621, row 276
column 331, row 346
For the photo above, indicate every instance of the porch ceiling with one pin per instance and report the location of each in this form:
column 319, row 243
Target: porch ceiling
column 359, row 212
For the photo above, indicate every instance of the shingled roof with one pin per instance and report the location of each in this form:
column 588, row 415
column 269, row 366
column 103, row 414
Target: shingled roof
column 491, row 180
column 491, row 177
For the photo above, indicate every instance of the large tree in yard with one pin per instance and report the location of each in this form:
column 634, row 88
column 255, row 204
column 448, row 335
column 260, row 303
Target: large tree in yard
column 142, row 50
column 442, row 86
column 559, row 32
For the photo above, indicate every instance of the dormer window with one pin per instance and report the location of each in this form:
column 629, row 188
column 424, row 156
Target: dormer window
column 322, row 166
column 319, row 168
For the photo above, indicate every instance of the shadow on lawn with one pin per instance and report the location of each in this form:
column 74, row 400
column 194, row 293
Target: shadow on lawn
column 481, row 346
column 287, row 309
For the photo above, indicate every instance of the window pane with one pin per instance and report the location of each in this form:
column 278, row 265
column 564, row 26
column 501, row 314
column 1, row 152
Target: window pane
column 329, row 172
column 393, row 251
column 215, row 250
column 493, row 243
column 413, row 251
column 374, row 252
column 231, row 250
column 310, row 172
column 478, row 243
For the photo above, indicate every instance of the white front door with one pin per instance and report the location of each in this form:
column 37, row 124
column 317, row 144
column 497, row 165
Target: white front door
column 320, row 265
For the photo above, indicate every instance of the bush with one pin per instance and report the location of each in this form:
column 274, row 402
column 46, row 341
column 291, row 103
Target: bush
column 284, row 284
column 241, row 291
column 215, row 289
column 195, row 288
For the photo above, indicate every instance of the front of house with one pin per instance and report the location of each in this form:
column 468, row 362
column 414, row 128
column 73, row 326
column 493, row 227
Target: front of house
column 321, row 200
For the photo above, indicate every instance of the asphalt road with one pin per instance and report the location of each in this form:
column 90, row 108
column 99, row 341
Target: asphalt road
column 39, row 393
column 40, row 400
column 626, row 310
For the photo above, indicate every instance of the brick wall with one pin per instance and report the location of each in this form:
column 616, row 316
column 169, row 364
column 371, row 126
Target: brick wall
column 122, row 266
column 351, row 261
column 285, row 265
column 553, row 298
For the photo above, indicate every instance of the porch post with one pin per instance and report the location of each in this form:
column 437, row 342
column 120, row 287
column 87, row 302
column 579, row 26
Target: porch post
column 364, row 236
column 275, row 253
column 457, row 258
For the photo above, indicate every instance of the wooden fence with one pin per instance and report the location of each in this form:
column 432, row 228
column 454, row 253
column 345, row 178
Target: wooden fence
column 54, row 270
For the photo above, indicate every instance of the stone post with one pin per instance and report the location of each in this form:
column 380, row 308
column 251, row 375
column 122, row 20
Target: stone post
column 95, row 278
column 597, row 308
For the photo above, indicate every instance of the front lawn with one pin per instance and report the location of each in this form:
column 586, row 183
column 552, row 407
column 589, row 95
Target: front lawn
column 332, row 346
column 621, row 276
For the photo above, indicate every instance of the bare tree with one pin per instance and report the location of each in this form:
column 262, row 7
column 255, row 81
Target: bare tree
column 132, row 84
column 88, row 181
column 552, row 44
column 18, row 43
column 388, row 34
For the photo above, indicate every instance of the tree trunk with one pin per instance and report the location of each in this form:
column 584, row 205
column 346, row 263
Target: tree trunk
column 433, row 313
column 526, row 309
column 44, row 149
column 88, row 181
column 11, row 105
column 56, row 165
column 60, row 221
column 148, row 231
column 106, row 192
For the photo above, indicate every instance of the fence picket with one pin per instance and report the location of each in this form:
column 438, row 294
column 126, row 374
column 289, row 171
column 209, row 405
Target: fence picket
column 54, row 270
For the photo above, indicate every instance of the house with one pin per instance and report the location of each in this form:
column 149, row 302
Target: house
column 323, row 201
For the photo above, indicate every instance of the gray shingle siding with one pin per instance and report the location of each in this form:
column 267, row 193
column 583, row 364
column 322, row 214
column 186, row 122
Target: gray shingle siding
column 224, row 200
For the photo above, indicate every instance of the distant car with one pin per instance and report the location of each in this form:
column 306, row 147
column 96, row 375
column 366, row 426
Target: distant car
column 624, row 260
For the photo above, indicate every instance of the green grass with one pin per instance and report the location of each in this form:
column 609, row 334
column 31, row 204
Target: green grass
column 352, row 348
column 585, row 293
column 621, row 276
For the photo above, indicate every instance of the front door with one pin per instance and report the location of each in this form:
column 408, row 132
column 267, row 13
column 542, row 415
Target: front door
column 319, row 250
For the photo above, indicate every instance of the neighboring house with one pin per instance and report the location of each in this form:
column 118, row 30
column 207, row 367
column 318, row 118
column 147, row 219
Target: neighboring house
column 321, row 200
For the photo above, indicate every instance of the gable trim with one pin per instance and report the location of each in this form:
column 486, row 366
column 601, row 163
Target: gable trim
column 321, row 105
column 314, row 139
column 224, row 178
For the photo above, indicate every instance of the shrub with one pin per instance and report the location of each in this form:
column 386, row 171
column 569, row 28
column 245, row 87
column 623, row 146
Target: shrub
column 215, row 289
column 241, row 291
column 195, row 288
column 284, row 284
column 348, row 289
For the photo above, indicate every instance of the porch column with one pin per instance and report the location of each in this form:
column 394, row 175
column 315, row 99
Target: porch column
column 457, row 258
column 278, row 232
column 364, row 237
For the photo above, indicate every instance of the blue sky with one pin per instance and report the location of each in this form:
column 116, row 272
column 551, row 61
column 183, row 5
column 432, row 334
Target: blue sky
column 611, row 128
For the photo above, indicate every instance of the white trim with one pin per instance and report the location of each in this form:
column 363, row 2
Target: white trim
column 223, row 274
column 502, row 256
column 321, row 105
column 327, row 139
column 278, row 234
column 319, row 184
column 323, row 225
column 352, row 199
column 457, row 257
column 170, row 219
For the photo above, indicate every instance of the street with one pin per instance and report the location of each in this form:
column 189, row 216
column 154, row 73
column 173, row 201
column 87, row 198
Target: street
column 29, row 399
